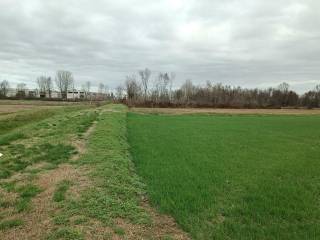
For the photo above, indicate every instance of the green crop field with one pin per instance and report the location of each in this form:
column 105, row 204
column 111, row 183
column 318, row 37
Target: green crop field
column 231, row 176
column 103, row 171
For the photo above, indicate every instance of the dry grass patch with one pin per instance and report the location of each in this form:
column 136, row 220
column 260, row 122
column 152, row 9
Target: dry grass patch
column 37, row 221
column 161, row 227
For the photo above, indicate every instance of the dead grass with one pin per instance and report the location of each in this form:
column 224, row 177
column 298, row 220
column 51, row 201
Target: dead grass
column 10, row 108
column 39, row 102
column 37, row 222
column 162, row 227
column 227, row 111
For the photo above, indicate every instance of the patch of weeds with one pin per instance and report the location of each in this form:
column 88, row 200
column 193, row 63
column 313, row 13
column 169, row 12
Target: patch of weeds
column 33, row 171
column 119, row 231
column 7, row 224
column 86, row 122
column 54, row 153
column 65, row 233
column 80, row 220
column 60, row 192
column 8, row 138
column 8, row 186
column 21, row 119
column 26, row 193
column 18, row 165
column 22, row 204
column 167, row 238
column 4, row 173
column 61, row 219
column 21, row 157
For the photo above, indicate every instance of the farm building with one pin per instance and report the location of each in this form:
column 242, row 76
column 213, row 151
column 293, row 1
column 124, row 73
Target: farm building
column 76, row 94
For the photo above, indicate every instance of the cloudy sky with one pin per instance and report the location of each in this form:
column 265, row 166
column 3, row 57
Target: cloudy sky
column 251, row 43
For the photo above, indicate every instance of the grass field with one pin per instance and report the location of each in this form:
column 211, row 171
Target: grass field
column 66, row 173
column 232, row 176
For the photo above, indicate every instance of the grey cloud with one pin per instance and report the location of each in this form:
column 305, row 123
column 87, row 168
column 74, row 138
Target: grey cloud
column 249, row 43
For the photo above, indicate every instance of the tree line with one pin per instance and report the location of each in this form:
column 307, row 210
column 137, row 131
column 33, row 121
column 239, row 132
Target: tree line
column 141, row 91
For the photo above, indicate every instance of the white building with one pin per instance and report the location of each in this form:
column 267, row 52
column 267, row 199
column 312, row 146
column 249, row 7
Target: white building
column 75, row 94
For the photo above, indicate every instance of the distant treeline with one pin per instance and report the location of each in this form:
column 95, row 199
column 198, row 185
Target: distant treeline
column 159, row 93
column 139, row 90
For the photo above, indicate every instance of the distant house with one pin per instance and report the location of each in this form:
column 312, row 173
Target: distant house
column 42, row 94
column 55, row 94
column 11, row 92
column 75, row 94
column 33, row 94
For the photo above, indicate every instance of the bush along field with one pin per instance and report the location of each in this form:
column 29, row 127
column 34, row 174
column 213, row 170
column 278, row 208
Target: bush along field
column 69, row 175
column 232, row 176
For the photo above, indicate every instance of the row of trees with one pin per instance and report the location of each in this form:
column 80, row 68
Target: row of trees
column 140, row 91
column 63, row 81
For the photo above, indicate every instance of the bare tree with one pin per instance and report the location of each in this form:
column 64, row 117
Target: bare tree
column 49, row 86
column 284, row 87
column 102, row 91
column 187, row 90
column 132, row 88
column 106, row 90
column 172, row 77
column 4, row 88
column 119, row 92
column 145, row 75
column 64, row 81
column 41, row 82
column 164, row 86
column 86, row 88
column 45, row 85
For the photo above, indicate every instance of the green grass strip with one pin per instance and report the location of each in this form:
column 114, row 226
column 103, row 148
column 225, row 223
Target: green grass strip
column 117, row 188
column 60, row 193
column 7, row 224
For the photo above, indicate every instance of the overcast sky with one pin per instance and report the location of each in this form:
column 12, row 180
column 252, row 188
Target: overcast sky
column 251, row 43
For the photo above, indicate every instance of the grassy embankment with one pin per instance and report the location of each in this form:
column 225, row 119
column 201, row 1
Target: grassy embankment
column 48, row 190
column 30, row 138
column 232, row 177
